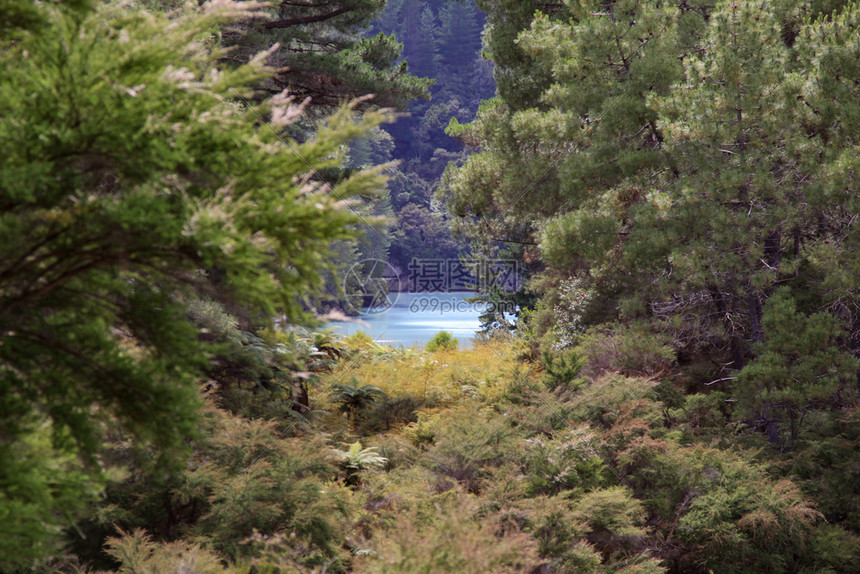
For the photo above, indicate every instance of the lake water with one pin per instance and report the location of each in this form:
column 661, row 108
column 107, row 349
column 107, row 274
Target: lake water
column 415, row 318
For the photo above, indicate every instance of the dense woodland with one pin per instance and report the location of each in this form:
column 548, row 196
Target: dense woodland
column 182, row 186
column 441, row 41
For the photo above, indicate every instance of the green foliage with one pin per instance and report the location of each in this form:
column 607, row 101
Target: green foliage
column 450, row 540
column 677, row 164
column 319, row 52
column 705, row 411
column 798, row 366
column 633, row 351
column 561, row 370
column 610, row 516
column 441, row 40
column 355, row 398
column 602, row 479
column 132, row 186
column 834, row 549
column 467, row 444
column 559, row 536
column 442, row 341
column 678, row 179
column 421, row 234
column 389, row 414
column 44, row 489
column 825, row 464
column 739, row 523
column 614, row 398
column 361, row 342
column 356, row 458
column 138, row 553
column 243, row 485
column 565, row 462
column 422, row 432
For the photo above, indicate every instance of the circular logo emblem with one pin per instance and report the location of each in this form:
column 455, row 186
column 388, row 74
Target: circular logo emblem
column 371, row 286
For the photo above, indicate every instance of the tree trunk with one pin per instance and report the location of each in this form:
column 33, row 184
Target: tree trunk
column 302, row 401
column 755, row 313
column 302, row 20
column 735, row 343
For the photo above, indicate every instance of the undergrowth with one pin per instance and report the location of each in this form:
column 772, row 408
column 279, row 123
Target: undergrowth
column 475, row 461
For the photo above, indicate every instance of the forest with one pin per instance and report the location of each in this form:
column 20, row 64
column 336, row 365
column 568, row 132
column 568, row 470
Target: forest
column 184, row 186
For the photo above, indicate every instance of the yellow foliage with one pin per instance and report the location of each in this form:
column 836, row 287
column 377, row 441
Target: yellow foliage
column 443, row 379
column 447, row 536
column 138, row 553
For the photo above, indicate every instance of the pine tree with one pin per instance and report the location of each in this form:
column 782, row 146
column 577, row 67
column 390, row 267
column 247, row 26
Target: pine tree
column 460, row 35
column 686, row 161
column 563, row 163
column 518, row 78
column 799, row 366
column 753, row 159
column 423, row 55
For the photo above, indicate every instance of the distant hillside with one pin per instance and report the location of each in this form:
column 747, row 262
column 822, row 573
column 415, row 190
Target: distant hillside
column 441, row 40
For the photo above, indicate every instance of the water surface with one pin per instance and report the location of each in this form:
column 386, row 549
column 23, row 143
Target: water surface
column 416, row 317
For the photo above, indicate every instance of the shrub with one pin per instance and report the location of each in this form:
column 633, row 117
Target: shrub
column 447, row 537
column 422, row 433
column 733, row 517
column 567, row 461
column 559, row 535
column 355, row 398
column 611, row 516
column 537, row 412
column 828, row 464
column 630, row 350
column 467, row 443
column 275, row 487
column 561, row 369
column 362, row 343
column 834, row 550
column 244, row 479
column 137, row 552
column 357, row 459
column 614, row 397
column 397, row 450
column 443, row 341
column 389, row 414
column 706, row 410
